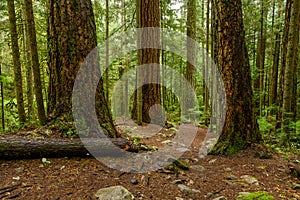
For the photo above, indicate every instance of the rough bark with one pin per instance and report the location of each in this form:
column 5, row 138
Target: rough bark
column 20, row 148
column 290, row 66
column 149, row 16
column 240, row 128
column 71, row 37
column 285, row 42
column 191, row 53
column 35, row 62
column 16, row 61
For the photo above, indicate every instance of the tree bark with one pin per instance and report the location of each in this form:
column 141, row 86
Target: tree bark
column 71, row 37
column 148, row 14
column 285, row 43
column 240, row 128
column 16, row 61
column 35, row 62
column 290, row 66
column 20, row 148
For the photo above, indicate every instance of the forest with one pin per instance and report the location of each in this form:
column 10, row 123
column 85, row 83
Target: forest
column 149, row 99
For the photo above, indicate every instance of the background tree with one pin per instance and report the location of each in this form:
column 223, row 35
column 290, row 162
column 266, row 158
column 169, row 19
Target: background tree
column 16, row 61
column 35, row 62
column 240, row 128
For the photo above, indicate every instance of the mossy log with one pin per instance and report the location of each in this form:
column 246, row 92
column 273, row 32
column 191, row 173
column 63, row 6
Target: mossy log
column 21, row 148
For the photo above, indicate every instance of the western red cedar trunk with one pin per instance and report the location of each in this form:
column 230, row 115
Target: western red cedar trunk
column 148, row 14
column 240, row 128
column 71, row 37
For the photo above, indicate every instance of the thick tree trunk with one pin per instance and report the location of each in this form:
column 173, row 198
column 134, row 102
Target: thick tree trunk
column 35, row 62
column 72, row 36
column 16, row 61
column 290, row 66
column 240, row 128
column 148, row 15
column 12, row 148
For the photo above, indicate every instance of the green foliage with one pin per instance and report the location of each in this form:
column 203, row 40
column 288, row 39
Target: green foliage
column 260, row 195
column 265, row 126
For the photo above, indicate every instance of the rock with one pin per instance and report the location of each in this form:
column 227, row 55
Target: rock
column 241, row 195
column 254, row 195
column 220, row 198
column 212, row 161
column 249, row 179
column 228, row 169
column 114, row 193
column 134, row 181
column 231, row 177
column 19, row 169
column 197, row 168
column 185, row 189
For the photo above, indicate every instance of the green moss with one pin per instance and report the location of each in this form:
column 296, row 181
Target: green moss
column 260, row 195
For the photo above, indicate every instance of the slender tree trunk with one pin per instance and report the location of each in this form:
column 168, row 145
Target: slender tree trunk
column 2, row 93
column 191, row 52
column 285, row 42
column 274, row 81
column 240, row 128
column 107, row 51
column 27, row 60
column 260, row 56
column 35, row 62
column 290, row 66
column 16, row 61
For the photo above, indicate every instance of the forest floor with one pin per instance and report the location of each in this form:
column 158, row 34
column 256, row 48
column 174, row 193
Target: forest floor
column 208, row 178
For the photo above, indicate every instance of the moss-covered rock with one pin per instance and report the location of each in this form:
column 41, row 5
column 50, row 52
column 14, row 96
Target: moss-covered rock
column 260, row 195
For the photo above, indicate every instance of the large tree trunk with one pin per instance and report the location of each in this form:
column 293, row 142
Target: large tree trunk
column 71, row 37
column 148, row 15
column 290, row 66
column 20, row 148
column 16, row 61
column 240, row 128
column 35, row 62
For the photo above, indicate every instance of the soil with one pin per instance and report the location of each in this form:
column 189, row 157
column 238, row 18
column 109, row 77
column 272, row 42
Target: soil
column 80, row 178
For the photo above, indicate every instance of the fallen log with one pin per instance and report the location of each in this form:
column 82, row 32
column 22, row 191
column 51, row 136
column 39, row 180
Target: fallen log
column 23, row 148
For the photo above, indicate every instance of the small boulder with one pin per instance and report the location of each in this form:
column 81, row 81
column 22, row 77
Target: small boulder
column 114, row 193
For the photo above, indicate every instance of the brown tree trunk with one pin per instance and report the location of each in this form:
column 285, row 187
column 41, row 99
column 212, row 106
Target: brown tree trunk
column 148, row 15
column 35, row 62
column 240, row 128
column 16, row 61
column 285, row 42
column 191, row 52
column 72, row 36
column 290, row 66
column 274, row 81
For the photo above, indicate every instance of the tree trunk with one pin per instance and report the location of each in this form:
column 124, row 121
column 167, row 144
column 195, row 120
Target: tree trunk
column 148, row 14
column 35, row 62
column 240, row 128
column 291, row 64
column 274, row 81
column 285, row 42
column 16, row 61
column 72, row 36
column 12, row 148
